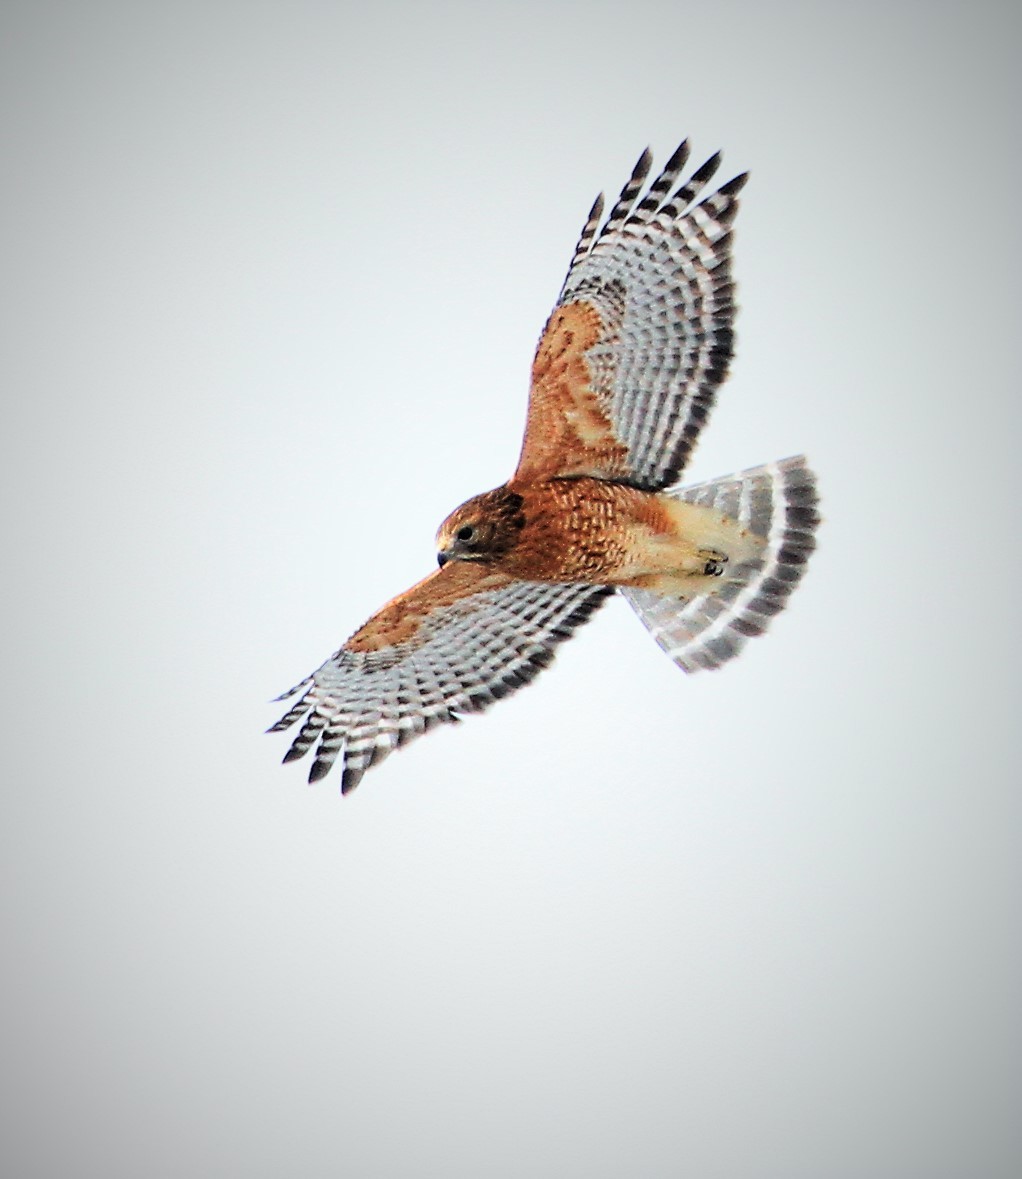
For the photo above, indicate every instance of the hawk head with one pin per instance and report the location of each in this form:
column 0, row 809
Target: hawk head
column 484, row 528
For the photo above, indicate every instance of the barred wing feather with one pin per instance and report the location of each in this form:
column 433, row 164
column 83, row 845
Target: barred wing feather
column 462, row 655
column 641, row 336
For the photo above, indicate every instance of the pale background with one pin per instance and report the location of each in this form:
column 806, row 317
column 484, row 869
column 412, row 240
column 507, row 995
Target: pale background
column 272, row 275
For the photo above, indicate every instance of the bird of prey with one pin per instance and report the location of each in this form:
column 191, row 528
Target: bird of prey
column 623, row 380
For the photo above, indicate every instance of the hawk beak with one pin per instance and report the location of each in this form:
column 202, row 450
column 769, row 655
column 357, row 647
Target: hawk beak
column 442, row 559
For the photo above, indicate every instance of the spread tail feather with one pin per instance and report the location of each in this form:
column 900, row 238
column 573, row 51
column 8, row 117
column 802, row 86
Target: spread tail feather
column 777, row 502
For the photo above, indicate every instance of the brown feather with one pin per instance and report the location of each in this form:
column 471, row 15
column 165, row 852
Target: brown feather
column 567, row 432
column 400, row 620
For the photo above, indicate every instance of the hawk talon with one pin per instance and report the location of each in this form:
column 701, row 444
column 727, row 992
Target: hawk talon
column 715, row 563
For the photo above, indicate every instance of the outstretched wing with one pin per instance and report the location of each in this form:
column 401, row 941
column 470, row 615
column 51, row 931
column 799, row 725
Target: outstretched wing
column 452, row 644
column 627, row 367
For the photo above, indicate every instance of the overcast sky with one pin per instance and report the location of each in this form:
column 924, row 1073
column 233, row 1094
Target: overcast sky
column 272, row 278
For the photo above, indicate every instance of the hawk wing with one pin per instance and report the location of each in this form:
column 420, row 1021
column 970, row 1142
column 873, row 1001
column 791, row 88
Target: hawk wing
column 455, row 642
column 627, row 367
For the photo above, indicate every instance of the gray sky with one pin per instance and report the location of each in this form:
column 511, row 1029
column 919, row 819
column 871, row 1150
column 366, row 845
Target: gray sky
column 272, row 279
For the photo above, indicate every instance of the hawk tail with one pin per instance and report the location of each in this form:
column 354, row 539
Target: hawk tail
column 777, row 503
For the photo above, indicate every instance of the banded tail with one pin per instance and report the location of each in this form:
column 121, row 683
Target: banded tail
column 776, row 502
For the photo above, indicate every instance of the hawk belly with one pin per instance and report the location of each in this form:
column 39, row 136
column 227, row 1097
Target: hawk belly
column 589, row 530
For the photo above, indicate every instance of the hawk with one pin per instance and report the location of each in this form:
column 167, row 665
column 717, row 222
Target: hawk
column 623, row 380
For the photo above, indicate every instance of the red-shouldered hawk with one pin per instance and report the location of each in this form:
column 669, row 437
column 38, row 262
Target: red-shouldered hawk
column 623, row 379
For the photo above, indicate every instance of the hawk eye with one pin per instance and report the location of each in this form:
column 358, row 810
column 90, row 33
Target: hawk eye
column 466, row 532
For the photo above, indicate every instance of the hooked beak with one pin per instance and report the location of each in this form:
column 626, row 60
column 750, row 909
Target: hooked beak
column 442, row 559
